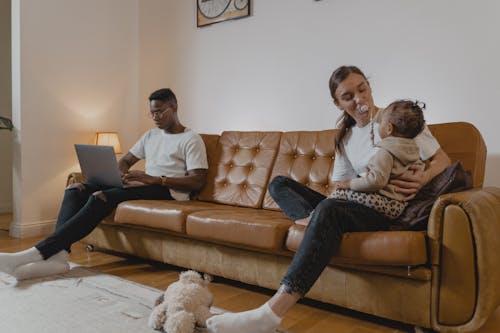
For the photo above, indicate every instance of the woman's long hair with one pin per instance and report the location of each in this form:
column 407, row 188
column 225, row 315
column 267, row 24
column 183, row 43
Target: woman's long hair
column 345, row 121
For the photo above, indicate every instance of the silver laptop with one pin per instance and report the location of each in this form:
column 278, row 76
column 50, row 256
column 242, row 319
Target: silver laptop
column 99, row 165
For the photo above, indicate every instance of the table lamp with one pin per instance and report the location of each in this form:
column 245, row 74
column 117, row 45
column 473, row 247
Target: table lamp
column 109, row 139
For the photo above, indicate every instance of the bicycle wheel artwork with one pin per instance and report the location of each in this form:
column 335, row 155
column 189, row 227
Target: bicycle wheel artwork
column 212, row 8
column 240, row 4
column 213, row 11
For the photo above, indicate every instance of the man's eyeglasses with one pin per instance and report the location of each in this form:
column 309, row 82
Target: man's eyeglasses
column 157, row 114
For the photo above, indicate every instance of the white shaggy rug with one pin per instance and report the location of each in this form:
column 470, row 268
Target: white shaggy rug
column 79, row 301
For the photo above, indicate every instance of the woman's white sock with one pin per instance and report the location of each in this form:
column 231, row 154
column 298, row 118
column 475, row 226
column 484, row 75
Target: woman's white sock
column 56, row 264
column 9, row 261
column 62, row 256
column 260, row 320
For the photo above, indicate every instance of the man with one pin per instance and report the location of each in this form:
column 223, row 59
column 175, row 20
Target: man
column 176, row 164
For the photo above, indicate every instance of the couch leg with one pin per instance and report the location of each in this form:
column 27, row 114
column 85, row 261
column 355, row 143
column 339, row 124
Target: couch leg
column 208, row 277
column 89, row 248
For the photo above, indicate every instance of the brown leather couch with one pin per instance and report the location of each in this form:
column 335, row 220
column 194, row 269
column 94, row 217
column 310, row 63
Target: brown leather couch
column 447, row 278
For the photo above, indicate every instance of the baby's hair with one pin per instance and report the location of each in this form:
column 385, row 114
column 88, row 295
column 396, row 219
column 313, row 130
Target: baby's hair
column 407, row 117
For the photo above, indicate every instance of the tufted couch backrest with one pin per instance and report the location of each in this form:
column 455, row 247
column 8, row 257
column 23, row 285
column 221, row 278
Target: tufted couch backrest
column 463, row 142
column 241, row 164
column 307, row 157
column 239, row 172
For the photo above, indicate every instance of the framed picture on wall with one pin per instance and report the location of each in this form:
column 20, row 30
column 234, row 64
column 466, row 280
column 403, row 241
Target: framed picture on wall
column 214, row 11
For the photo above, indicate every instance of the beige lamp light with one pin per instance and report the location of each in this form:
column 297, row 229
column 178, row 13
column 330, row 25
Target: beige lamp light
column 109, row 139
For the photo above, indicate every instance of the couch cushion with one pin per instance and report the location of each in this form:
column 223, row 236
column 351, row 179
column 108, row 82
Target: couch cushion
column 407, row 248
column 161, row 214
column 240, row 170
column 242, row 227
column 463, row 142
column 307, row 157
column 210, row 141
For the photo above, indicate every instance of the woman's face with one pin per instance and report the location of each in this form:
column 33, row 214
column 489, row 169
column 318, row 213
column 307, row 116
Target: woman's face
column 354, row 95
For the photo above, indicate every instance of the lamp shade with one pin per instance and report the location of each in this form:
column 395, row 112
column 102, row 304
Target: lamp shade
column 109, row 139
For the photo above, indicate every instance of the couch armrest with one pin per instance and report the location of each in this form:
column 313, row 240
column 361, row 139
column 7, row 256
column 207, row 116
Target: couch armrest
column 464, row 241
column 74, row 177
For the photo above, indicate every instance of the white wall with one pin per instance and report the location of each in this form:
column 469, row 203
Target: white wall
column 270, row 71
column 83, row 66
column 75, row 72
column 5, row 109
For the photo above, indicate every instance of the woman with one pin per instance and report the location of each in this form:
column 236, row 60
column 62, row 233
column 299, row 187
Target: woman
column 328, row 219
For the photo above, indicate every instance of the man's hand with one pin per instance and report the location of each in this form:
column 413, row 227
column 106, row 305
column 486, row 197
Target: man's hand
column 410, row 182
column 126, row 162
column 139, row 176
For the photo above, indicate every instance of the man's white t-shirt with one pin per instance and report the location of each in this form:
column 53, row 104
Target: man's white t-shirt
column 171, row 155
column 358, row 149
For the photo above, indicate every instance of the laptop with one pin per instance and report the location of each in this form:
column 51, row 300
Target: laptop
column 99, row 165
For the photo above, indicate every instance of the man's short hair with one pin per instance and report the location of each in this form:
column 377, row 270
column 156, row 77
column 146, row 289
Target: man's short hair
column 166, row 95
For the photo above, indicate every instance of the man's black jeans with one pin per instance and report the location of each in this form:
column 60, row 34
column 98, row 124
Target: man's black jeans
column 81, row 212
column 330, row 219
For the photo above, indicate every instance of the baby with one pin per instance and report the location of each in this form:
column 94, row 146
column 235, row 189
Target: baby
column 400, row 123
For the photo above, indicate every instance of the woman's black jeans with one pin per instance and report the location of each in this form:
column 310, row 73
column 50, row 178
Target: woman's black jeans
column 330, row 219
column 81, row 212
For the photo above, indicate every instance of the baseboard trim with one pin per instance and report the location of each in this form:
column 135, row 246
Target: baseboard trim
column 32, row 229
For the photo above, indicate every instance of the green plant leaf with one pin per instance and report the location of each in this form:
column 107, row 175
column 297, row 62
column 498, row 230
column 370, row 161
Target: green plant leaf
column 6, row 123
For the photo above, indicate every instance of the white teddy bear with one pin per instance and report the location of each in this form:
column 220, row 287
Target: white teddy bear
column 185, row 304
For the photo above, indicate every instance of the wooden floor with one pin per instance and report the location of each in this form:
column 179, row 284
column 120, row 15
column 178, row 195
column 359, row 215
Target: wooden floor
column 306, row 317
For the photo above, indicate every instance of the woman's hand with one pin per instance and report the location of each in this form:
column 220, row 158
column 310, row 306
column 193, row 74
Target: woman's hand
column 410, row 182
column 343, row 185
column 140, row 176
